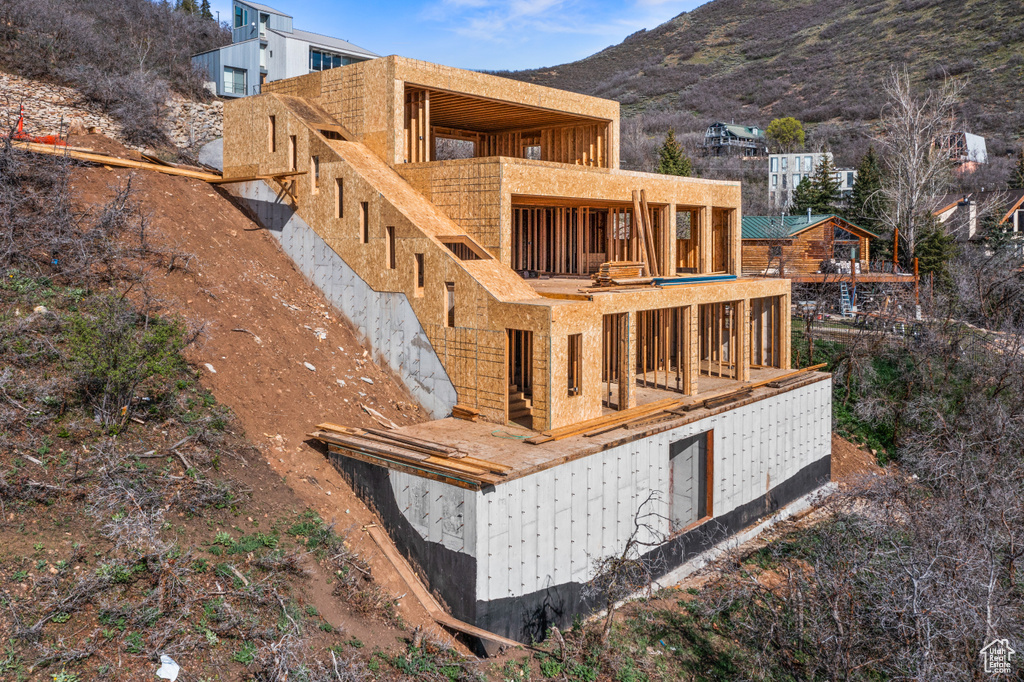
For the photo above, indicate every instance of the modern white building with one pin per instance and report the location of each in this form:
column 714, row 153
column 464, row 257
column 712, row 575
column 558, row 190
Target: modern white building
column 785, row 171
column 266, row 47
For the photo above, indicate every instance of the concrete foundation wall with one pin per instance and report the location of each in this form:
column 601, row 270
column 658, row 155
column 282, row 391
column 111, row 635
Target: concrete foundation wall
column 545, row 529
column 513, row 558
column 385, row 320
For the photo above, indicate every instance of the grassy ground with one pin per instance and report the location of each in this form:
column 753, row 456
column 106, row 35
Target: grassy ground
column 130, row 524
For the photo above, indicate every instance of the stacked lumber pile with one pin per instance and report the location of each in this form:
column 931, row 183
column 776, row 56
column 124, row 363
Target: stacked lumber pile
column 466, row 413
column 620, row 273
column 412, row 455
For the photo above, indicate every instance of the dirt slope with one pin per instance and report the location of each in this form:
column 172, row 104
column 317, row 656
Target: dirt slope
column 239, row 279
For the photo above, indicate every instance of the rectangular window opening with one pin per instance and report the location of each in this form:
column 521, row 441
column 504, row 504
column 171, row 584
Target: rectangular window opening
column 449, row 298
column 390, row 246
column 690, row 472
column 314, row 169
column 364, row 222
column 449, row 149
column 340, row 196
column 465, row 248
column 293, row 153
column 574, row 364
column 418, row 275
column 273, row 134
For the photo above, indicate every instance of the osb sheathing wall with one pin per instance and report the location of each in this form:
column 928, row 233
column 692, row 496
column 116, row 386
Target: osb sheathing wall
column 465, row 191
column 490, row 298
column 473, row 351
column 368, row 98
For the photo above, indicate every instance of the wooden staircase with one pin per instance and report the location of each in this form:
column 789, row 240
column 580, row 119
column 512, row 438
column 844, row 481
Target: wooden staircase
column 519, row 406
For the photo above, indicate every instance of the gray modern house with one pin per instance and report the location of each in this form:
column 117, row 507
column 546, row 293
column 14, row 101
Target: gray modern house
column 266, row 47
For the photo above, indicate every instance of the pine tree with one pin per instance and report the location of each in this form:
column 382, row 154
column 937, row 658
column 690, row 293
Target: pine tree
column 672, row 160
column 826, row 187
column 804, row 197
column 188, row 7
column 934, row 252
column 204, row 10
column 866, row 201
column 1017, row 175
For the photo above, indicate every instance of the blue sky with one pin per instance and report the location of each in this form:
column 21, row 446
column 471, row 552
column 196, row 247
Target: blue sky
column 480, row 34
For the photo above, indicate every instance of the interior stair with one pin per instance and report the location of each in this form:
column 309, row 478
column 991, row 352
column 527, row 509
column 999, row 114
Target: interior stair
column 519, row 405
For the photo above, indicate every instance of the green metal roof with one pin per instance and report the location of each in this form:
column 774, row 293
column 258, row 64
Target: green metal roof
column 742, row 132
column 784, row 227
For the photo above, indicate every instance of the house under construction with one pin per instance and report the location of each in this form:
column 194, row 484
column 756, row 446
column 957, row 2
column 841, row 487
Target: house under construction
column 527, row 281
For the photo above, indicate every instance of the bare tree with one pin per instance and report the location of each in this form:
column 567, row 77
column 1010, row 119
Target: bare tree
column 914, row 127
column 631, row 571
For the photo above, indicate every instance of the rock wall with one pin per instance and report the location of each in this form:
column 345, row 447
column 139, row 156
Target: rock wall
column 55, row 109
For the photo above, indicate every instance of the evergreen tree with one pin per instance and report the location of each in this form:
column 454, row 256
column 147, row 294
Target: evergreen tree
column 188, row 7
column 934, row 253
column 866, row 201
column 671, row 159
column 826, row 187
column 1017, row 175
column 204, row 10
column 803, row 197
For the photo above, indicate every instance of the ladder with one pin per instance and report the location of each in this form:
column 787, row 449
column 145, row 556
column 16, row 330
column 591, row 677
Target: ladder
column 845, row 306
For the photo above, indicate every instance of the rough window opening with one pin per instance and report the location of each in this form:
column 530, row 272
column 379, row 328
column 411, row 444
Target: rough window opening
column 765, row 326
column 465, row 248
column 690, row 472
column 449, row 297
column 687, row 252
column 718, row 339
column 390, row 246
column 614, row 356
column 340, row 196
column 273, row 134
column 293, row 153
column 364, row 222
column 314, row 168
column 449, row 149
column 721, row 251
column 662, row 349
column 574, row 364
column 332, row 134
column 419, row 274
column 532, row 152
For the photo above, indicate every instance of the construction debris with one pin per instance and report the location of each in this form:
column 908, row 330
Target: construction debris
column 414, row 455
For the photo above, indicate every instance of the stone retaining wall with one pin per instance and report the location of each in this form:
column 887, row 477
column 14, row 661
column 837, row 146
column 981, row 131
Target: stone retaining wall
column 53, row 109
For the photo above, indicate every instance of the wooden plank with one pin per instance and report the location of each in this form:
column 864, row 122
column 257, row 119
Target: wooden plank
column 603, row 421
column 107, row 160
column 423, row 595
column 409, row 440
column 409, row 469
column 251, row 178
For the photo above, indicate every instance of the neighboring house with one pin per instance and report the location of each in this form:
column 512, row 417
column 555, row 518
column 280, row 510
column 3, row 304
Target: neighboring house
column 266, row 47
column 804, row 245
column 727, row 139
column 966, row 150
column 964, row 215
column 785, row 171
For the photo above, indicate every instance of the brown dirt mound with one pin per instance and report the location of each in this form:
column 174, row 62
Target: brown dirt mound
column 850, row 461
column 262, row 323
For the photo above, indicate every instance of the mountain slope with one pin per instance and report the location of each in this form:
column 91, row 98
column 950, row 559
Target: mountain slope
column 820, row 60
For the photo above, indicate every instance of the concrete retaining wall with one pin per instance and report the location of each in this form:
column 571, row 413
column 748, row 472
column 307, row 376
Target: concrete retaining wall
column 385, row 320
